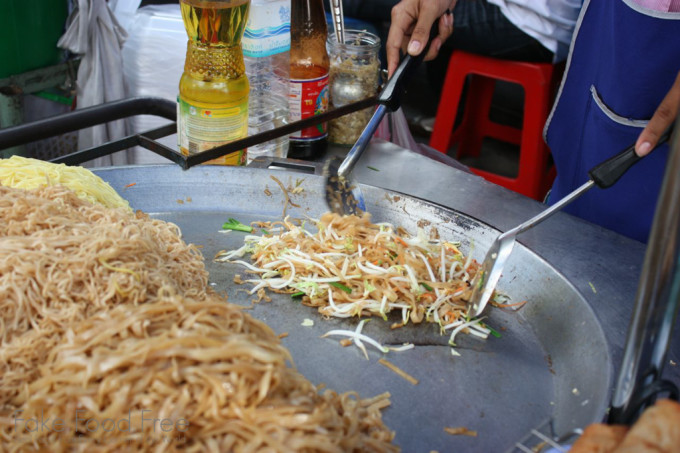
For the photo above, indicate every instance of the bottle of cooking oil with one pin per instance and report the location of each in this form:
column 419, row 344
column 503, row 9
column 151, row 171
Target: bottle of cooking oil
column 213, row 90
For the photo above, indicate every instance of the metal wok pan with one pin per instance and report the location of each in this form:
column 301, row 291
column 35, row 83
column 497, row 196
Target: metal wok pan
column 552, row 361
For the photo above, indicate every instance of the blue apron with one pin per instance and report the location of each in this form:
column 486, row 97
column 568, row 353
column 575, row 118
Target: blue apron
column 623, row 61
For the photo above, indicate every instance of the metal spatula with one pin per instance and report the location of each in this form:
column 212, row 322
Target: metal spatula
column 603, row 175
column 342, row 195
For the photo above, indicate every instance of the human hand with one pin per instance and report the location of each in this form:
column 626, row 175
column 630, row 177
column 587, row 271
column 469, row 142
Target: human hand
column 663, row 117
column 410, row 28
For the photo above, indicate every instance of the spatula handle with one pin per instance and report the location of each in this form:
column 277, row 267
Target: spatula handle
column 608, row 172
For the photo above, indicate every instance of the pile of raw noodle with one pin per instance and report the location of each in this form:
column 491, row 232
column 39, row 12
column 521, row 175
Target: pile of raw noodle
column 26, row 173
column 105, row 313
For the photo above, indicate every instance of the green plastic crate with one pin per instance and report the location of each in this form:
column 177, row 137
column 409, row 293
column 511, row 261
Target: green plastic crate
column 29, row 31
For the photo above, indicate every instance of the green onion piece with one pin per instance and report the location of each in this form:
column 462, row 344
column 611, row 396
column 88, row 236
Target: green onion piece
column 372, row 168
column 426, row 286
column 234, row 224
column 493, row 331
column 298, row 294
column 342, row 287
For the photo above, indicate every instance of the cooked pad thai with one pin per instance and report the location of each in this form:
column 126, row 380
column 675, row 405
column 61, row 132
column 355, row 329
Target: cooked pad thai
column 352, row 267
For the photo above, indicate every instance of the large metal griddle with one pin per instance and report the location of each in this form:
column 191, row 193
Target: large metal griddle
column 553, row 368
column 553, row 361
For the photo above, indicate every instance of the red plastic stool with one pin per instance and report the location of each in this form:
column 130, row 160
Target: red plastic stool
column 538, row 80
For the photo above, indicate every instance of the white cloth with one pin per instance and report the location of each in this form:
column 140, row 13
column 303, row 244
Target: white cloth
column 125, row 11
column 95, row 34
column 153, row 62
column 551, row 22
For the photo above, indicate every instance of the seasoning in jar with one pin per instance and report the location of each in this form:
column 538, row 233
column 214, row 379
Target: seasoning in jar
column 354, row 75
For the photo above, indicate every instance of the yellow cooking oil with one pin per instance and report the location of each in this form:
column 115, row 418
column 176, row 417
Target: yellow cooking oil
column 213, row 90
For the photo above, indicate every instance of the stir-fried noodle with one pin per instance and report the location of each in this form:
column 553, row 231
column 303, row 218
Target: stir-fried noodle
column 112, row 337
column 62, row 258
column 352, row 267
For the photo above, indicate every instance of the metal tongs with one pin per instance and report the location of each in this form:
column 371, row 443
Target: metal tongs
column 603, row 175
column 344, row 197
column 338, row 20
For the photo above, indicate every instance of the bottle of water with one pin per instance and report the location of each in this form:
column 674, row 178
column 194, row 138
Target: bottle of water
column 266, row 49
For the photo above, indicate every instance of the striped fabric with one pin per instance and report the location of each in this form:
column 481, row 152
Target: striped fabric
column 667, row 6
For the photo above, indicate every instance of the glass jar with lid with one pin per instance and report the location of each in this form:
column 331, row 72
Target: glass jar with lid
column 354, row 75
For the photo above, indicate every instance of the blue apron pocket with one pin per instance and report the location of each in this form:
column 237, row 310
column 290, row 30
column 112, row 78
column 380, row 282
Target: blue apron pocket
column 613, row 116
column 605, row 134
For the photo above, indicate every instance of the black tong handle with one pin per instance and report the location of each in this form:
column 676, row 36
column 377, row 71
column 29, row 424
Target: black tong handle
column 390, row 96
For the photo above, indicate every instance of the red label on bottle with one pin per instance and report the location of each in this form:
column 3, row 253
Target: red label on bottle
column 308, row 98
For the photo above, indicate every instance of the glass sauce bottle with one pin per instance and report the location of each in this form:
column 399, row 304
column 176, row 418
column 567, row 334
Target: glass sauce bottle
column 309, row 66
